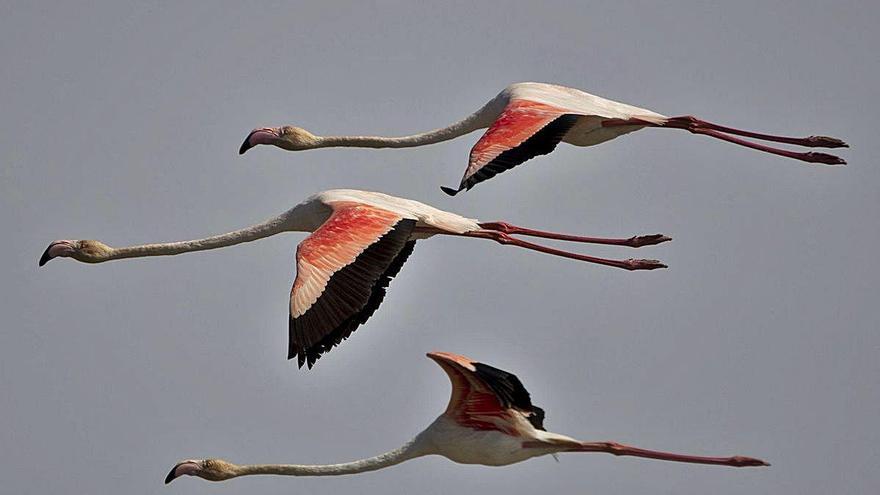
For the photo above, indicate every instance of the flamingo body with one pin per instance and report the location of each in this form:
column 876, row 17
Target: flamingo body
column 572, row 100
column 489, row 417
column 529, row 119
column 538, row 116
column 466, row 445
column 426, row 216
column 359, row 241
column 510, row 430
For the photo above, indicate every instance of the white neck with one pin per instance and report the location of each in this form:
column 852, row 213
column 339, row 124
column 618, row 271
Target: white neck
column 408, row 451
column 480, row 119
column 288, row 221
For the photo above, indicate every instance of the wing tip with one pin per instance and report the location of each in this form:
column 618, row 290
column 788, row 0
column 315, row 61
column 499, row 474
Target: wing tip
column 302, row 359
column 453, row 359
column 293, row 350
column 450, row 191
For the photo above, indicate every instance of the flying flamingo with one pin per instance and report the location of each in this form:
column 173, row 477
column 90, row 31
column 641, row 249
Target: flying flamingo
column 359, row 241
column 530, row 119
column 490, row 420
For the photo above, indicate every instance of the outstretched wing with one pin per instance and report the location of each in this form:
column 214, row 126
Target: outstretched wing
column 484, row 397
column 342, row 271
column 524, row 130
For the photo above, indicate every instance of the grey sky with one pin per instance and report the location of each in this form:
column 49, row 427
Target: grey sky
column 121, row 123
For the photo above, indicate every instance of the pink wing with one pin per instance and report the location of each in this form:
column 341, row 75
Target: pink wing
column 342, row 271
column 524, row 130
column 486, row 398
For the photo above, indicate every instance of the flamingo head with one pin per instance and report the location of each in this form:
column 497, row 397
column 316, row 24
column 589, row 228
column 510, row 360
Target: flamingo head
column 209, row 469
column 86, row 251
column 285, row 137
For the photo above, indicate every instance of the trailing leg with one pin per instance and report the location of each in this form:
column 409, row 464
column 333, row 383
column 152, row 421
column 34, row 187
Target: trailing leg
column 688, row 121
column 629, row 264
column 635, row 241
column 811, row 157
column 619, row 449
column 696, row 126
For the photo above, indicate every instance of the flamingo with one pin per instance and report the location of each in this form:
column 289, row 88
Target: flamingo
column 359, row 241
column 490, row 420
column 529, row 119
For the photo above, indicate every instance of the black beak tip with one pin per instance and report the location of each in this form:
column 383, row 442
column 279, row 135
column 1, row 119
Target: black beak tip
column 45, row 257
column 246, row 145
column 170, row 477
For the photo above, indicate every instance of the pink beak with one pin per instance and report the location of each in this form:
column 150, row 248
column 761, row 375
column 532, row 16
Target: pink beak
column 182, row 468
column 56, row 249
column 264, row 135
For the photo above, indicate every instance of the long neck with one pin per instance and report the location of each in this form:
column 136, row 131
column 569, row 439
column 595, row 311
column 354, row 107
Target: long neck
column 479, row 119
column 254, row 232
column 409, row 451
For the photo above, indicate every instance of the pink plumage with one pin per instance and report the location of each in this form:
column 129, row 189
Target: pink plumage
column 490, row 421
column 529, row 119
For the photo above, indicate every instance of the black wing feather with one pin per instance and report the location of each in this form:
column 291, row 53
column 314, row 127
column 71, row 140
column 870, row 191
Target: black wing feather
column 351, row 296
column 510, row 392
column 541, row 143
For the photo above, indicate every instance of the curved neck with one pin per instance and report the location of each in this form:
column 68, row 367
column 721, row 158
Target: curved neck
column 410, row 450
column 265, row 229
column 480, row 119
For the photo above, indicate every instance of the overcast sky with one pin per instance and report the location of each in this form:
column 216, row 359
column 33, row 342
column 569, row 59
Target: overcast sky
column 122, row 123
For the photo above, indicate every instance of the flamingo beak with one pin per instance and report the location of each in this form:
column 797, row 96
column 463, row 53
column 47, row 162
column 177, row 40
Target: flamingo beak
column 56, row 249
column 45, row 257
column 264, row 135
column 246, row 145
column 180, row 469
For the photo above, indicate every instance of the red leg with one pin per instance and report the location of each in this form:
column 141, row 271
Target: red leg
column 502, row 238
column 811, row 157
column 696, row 126
column 688, row 121
column 635, row 241
column 618, row 449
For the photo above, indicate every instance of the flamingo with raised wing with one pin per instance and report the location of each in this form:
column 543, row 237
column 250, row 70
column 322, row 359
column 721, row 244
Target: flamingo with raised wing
column 490, row 420
column 529, row 119
column 359, row 242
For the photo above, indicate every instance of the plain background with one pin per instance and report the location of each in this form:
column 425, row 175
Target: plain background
column 121, row 123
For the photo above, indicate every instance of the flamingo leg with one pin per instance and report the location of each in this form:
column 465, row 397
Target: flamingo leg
column 634, row 241
column 619, row 449
column 811, row 157
column 502, row 238
column 687, row 121
column 697, row 126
